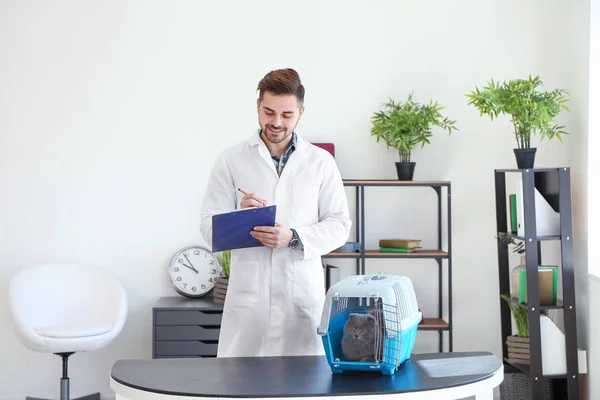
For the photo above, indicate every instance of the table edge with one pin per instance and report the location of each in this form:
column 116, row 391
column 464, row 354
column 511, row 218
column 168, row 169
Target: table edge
column 494, row 379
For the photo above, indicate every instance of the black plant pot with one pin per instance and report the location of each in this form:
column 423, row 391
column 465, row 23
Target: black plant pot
column 525, row 157
column 405, row 170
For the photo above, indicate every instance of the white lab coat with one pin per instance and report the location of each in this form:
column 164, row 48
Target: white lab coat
column 275, row 296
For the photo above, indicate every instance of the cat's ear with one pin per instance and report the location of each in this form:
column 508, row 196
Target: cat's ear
column 355, row 317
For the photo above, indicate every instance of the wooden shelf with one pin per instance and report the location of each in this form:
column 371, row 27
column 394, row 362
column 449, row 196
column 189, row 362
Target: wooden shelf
column 379, row 254
column 440, row 254
column 433, row 324
column 414, row 254
column 392, row 182
column 531, row 169
column 338, row 254
column 559, row 304
column 517, row 237
column 526, row 369
column 521, row 367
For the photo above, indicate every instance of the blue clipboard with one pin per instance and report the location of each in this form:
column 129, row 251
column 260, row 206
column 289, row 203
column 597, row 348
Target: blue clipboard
column 232, row 230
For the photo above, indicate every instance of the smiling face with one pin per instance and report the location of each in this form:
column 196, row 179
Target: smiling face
column 278, row 116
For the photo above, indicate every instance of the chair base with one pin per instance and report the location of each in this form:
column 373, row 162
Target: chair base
column 93, row 396
column 64, row 383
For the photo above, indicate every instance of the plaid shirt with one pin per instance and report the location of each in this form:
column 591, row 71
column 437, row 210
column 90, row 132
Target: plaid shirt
column 280, row 162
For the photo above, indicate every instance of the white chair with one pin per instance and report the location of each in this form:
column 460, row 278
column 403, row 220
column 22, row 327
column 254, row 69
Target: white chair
column 63, row 309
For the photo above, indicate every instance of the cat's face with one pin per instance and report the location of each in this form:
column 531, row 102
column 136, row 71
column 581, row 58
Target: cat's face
column 360, row 328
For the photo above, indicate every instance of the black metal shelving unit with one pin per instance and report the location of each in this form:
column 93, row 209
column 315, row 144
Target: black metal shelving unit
column 438, row 254
column 554, row 183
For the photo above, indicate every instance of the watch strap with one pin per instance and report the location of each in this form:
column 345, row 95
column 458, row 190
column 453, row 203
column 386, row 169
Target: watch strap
column 296, row 243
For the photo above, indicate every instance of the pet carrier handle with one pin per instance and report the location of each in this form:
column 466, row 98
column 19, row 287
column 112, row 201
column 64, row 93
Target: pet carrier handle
column 367, row 278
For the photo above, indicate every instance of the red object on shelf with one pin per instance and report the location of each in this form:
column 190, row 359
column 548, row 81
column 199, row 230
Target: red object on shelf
column 330, row 147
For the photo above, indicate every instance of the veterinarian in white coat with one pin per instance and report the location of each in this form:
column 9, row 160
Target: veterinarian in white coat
column 276, row 292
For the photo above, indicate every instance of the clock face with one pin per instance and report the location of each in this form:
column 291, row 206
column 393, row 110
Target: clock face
column 193, row 271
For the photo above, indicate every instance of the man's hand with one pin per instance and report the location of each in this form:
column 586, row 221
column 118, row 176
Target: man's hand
column 252, row 200
column 273, row 237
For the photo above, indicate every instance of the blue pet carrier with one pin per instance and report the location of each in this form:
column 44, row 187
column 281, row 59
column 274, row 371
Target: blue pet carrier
column 388, row 298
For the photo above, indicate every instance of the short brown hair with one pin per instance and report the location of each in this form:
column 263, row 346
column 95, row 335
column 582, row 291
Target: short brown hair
column 282, row 81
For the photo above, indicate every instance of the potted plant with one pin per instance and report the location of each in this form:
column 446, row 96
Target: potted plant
column 516, row 383
column 220, row 290
column 518, row 345
column 532, row 111
column 405, row 125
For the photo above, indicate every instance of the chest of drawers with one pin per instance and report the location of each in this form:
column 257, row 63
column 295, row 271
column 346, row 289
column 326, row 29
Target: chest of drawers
column 183, row 327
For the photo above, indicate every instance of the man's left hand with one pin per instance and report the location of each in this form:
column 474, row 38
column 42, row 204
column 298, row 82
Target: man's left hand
column 273, row 236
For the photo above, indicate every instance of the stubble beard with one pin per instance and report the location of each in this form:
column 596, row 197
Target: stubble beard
column 274, row 139
column 265, row 133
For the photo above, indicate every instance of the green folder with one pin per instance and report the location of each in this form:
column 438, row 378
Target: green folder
column 548, row 285
column 513, row 213
column 395, row 250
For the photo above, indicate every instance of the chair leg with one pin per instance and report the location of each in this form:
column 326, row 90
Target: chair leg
column 64, row 383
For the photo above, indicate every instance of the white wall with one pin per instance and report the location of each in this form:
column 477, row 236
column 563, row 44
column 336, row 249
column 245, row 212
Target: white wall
column 578, row 48
column 111, row 115
column 594, row 128
column 593, row 188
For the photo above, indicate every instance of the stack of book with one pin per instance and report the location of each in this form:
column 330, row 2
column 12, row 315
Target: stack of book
column 399, row 245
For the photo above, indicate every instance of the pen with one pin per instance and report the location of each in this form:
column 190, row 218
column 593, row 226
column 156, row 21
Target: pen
column 264, row 203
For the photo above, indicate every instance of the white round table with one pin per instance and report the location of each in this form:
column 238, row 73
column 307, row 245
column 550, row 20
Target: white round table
column 424, row 376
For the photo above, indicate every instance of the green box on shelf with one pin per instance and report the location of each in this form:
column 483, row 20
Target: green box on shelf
column 513, row 213
column 547, row 283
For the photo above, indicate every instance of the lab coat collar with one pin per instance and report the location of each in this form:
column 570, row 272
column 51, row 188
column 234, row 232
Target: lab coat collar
column 263, row 151
column 255, row 140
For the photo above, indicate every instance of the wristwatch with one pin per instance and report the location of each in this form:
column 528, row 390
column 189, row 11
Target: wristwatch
column 295, row 242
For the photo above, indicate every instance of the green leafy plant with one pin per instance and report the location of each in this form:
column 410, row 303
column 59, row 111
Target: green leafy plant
column 225, row 261
column 405, row 125
column 532, row 111
column 520, row 315
column 508, row 239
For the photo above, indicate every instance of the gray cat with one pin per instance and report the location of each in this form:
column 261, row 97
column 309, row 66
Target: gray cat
column 358, row 342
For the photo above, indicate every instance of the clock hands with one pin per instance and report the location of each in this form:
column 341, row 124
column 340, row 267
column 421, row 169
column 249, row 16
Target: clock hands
column 192, row 268
column 191, row 265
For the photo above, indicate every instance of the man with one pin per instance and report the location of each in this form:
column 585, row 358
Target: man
column 276, row 292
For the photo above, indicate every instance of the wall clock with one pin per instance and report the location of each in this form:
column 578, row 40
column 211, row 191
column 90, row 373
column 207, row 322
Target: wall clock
column 193, row 270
